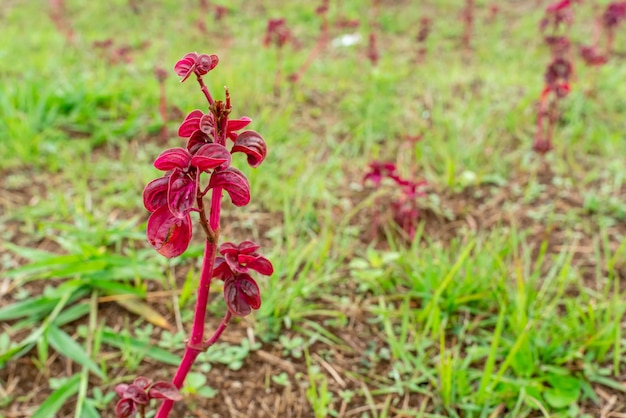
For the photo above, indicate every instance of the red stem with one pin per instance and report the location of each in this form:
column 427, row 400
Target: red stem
column 321, row 43
column 205, row 90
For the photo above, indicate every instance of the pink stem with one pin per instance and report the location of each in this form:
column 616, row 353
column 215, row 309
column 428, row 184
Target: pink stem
column 205, row 90
column 194, row 346
column 218, row 332
column 321, row 43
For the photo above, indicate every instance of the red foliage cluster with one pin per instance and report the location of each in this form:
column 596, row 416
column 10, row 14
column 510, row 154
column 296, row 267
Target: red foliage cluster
column 372, row 49
column 557, row 78
column 136, row 396
column 467, row 16
column 557, row 16
column 277, row 33
column 613, row 17
column 58, row 15
column 425, row 27
column 322, row 40
column 120, row 54
column 404, row 202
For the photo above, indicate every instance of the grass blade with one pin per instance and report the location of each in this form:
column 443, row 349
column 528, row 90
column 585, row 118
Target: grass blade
column 65, row 345
column 52, row 405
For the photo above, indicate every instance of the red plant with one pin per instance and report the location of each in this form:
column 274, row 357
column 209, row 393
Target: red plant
column 116, row 55
column 467, row 16
column 557, row 87
column 322, row 40
column 279, row 35
column 179, row 192
column 372, row 49
column 494, row 11
column 560, row 46
column 558, row 15
column 422, row 36
column 592, row 56
column 613, row 16
column 345, row 23
column 557, row 78
column 404, row 206
column 136, row 396
column 58, row 15
column 220, row 12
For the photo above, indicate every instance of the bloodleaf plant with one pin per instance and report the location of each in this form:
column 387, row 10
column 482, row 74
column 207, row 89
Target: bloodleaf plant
column 404, row 197
column 212, row 138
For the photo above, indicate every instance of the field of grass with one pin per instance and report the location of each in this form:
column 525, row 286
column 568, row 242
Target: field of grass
column 509, row 301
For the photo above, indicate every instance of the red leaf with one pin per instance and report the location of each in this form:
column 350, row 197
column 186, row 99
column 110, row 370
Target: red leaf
column 164, row 390
column 248, row 247
column 207, row 124
column 173, row 158
column 234, row 182
column 190, row 124
column 237, row 124
column 137, row 394
column 186, row 65
column 142, row 382
column 233, row 263
column 205, row 63
column 253, row 145
column 261, row 264
column 121, row 389
column 197, row 140
column 211, row 156
column 221, row 269
column 242, row 294
column 181, row 193
column 155, row 193
column 229, row 248
column 168, row 234
column 125, row 408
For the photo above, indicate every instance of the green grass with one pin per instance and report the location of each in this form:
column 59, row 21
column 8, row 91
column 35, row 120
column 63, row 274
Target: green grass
column 520, row 318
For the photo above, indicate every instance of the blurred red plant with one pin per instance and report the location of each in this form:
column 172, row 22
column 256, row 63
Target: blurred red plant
column 558, row 16
column 557, row 87
column 557, row 78
column 278, row 35
column 116, row 55
column 404, row 195
column 467, row 17
column 322, row 41
column 422, row 35
column 372, row 49
column 614, row 15
column 58, row 15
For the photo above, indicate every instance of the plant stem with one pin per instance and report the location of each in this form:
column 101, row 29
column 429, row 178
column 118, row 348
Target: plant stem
column 322, row 40
column 205, row 90
column 194, row 346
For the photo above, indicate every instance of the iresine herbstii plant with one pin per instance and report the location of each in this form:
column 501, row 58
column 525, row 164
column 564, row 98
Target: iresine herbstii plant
column 173, row 197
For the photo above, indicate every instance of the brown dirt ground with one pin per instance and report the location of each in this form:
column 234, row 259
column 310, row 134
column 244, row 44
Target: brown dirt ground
column 250, row 392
